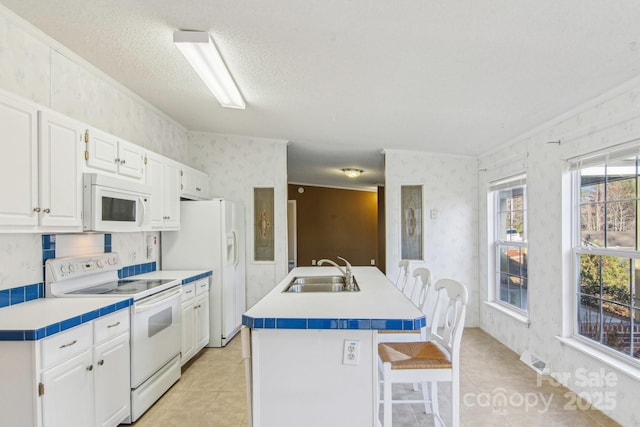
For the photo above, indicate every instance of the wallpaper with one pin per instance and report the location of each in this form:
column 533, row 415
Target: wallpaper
column 25, row 63
column 450, row 239
column 33, row 69
column 611, row 119
column 236, row 165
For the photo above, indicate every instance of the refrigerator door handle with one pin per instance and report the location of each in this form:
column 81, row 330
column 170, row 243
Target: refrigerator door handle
column 235, row 248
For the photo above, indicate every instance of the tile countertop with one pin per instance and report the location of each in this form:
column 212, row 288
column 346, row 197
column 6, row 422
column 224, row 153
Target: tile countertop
column 185, row 276
column 378, row 305
column 40, row 318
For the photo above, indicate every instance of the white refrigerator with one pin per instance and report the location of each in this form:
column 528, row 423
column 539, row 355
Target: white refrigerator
column 211, row 237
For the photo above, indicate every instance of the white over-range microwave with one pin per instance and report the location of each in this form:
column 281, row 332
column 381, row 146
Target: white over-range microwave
column 116, row 205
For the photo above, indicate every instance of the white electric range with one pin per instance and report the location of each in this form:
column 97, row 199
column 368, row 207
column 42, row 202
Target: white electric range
column 155, row 335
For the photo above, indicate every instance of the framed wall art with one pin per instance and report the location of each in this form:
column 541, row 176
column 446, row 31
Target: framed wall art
column 411, row 234
column 264, row 241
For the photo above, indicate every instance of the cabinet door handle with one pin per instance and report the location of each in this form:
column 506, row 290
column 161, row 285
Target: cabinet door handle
column 100, row 362
column 36, row 209
column 47, row 210
column 69, row 344
column 122, row 162
column 114, row 325
column 117, row 160
column 198, row 189
column 90, row 368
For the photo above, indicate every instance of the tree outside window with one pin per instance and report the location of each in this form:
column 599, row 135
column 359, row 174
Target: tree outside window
column 511, row 244
column 608, row 307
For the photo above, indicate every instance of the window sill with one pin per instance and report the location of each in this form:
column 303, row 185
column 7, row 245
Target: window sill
column 601, row 356
column 516, row 316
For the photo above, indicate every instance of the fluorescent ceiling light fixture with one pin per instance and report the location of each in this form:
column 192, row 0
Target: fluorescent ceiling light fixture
column 352, row 173
column 202, row 54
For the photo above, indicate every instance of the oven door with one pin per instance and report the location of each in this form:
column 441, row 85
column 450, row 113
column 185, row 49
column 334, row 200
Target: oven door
column 155, row 333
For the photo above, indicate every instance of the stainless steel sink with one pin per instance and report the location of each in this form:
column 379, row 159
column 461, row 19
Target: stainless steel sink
column 319, row 284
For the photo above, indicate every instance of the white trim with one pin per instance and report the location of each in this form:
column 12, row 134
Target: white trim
column 399, row 150
column 614, row 362
column 549, row 124
column 509, row 312
column 367, row 189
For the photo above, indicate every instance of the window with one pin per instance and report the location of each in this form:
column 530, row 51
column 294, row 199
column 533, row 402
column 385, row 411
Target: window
column 510, row 237
column 607, row 256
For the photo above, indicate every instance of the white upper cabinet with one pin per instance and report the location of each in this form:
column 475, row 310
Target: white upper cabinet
column 163, row 175
column 60, row 187
column 194, row 185
column 41, row 169
column 19, row 162
column 108, row 153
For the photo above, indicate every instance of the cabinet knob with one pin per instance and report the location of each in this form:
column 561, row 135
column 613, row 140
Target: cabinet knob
column 90, row 368
column 36, row 209
column 100, row 362
column 122, row 162
column 117, row 160
column 47, row 210
column 198, row 189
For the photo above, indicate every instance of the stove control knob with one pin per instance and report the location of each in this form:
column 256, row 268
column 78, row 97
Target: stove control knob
column 64, row 268
column 72, row 268
column 114, row 260
column 99, row 263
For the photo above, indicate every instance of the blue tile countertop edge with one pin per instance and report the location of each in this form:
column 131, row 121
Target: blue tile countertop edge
column 197, row 277
column 38, row 334
column 328, row 323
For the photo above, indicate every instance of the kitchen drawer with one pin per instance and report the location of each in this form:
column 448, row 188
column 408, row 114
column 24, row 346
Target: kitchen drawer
column 202, row 286
column 60, row 347
column 188, row 291
column 110, row 326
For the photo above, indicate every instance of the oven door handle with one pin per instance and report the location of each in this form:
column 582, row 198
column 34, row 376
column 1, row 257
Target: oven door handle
column 157, row 300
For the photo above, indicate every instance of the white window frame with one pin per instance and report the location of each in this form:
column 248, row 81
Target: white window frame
column 494, row 292
column 576, row 164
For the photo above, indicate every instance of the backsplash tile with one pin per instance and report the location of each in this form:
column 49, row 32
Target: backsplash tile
column 21, row 294
column 49, row 244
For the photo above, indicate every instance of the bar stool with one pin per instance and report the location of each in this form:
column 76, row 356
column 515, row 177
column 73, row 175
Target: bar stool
column 403, row 274
column 432, row 361
column 421, row 294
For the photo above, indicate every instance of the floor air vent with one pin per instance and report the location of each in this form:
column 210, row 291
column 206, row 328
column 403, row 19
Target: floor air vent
column 535, row 363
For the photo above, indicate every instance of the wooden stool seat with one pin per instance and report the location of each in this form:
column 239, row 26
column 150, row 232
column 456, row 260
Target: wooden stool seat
column 414, row 355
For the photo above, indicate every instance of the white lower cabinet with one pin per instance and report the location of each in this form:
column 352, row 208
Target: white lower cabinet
column 111, row 381
column 188, row 323
column 202, row 321
column 67, row 400
column 76, row 378
column 97, row 380
column 195, row 318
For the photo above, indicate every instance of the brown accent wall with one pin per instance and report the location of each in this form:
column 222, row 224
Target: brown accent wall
column 333, row 222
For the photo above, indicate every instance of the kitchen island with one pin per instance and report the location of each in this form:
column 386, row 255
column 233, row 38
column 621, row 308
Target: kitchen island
column 314, row 354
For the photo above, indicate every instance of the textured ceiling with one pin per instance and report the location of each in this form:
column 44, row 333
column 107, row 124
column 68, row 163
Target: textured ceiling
column 342, row 80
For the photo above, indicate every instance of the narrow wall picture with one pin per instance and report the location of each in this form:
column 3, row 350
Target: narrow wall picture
column 264, row 241
column 411, row 213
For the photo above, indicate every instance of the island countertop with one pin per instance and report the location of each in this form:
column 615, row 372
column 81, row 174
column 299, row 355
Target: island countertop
column 378, row 305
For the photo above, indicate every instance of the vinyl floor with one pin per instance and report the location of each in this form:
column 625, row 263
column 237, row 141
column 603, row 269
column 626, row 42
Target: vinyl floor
column 496, row 390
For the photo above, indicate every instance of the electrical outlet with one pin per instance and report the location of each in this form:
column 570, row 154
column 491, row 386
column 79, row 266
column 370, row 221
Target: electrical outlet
column 351, row 353
column 313, row 262
column 434, row 213
column 373, row 262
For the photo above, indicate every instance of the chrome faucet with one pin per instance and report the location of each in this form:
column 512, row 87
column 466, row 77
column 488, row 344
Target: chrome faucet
column 347, row 273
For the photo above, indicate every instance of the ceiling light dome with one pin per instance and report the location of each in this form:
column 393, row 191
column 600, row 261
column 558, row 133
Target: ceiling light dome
column 352, row 173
